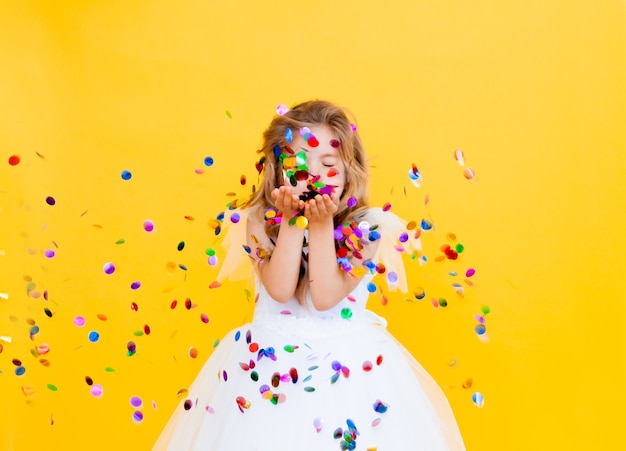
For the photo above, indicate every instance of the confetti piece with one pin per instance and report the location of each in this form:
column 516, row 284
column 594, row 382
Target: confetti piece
column 458, row 156
column 137, row 416
column 109, row 268
column 135, row 285
column 282, row 109
column 415, row 176
column 96, row 390
column 93, row 336
column 126, row 175
column 50, row 200
column 148, row 225
column 14, row 160
column 215, row 284
column 208, row 161
column 79, row 321
column 230, row 116
column 478, row 399
column 469, row 174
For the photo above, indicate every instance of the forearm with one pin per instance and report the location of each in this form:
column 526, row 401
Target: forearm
column 279, row 272
column 329, row 284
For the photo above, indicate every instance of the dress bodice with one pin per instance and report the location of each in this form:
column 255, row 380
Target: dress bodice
column 353, row 303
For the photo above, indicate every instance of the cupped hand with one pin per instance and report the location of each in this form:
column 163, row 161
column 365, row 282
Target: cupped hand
column 286, row 201
column 321, row 208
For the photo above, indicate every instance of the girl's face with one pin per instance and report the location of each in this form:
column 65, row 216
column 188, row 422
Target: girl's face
column 323, row 162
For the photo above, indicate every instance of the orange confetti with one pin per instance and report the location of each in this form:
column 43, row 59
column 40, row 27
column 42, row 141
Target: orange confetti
column 215, row 284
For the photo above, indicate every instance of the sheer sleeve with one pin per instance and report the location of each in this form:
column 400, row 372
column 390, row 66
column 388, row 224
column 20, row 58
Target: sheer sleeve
column 395, row 240
column 236, row 264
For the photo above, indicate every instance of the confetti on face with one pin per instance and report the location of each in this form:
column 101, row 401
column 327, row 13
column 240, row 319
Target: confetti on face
column 289, row 135
column 126, row 175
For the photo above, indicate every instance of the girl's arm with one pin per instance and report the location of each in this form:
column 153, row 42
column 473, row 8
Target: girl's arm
column 280, row 268
column 329, row 284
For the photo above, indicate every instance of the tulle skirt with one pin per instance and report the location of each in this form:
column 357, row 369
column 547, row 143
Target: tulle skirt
column 285, row 383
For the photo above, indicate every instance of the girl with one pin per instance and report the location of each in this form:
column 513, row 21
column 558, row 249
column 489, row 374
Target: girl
column 314, row 370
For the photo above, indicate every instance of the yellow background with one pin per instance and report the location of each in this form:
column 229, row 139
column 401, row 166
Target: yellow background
column 532, row 91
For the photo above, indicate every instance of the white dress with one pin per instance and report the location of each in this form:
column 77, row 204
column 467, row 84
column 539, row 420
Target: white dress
column 298, row 379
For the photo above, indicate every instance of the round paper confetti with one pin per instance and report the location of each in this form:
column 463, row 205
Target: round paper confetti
column 208, row 161
column 93, row 336
column 136, row 401
column 137, row 416
column 109, row 268
column 14, row 160
column 96, row 390
column 79, row 321
column 478, row 399
column 126, row 175
column 281, row 109
column 50, row 200
column 148, row 225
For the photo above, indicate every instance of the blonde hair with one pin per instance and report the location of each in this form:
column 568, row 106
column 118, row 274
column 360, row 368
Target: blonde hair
column 351, row 152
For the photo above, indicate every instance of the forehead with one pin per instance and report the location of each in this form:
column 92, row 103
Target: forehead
column 325, row 138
